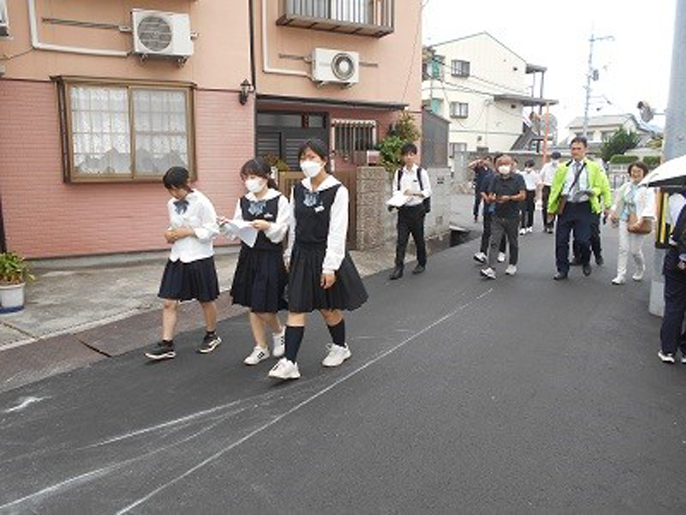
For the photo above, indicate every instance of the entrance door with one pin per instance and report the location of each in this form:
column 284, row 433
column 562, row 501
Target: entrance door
column 279, row 136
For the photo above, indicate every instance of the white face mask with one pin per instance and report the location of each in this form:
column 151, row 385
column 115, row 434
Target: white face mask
column 310, row 168
column 505, row 169
column 254, row 185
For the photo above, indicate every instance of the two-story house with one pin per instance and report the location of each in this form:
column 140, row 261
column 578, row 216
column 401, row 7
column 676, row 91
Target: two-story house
column 98, row 99
column 487, row 91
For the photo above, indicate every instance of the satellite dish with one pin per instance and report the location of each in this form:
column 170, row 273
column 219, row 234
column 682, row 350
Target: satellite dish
column 647, row 112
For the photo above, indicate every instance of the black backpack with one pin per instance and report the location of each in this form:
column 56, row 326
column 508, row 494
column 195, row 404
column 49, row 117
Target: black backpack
column 427, row 201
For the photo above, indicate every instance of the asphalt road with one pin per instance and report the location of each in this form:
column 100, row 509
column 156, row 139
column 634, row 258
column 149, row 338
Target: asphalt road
column 462, row 395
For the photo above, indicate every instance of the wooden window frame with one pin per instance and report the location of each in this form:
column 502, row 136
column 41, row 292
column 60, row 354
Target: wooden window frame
column 70, row 175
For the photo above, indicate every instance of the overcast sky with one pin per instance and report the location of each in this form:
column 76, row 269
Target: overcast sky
column 635, row 66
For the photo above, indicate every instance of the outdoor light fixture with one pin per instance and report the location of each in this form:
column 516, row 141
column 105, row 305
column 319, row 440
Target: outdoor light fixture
column 246, row 90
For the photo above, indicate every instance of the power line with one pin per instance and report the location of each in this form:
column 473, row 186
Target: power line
column 414, row 47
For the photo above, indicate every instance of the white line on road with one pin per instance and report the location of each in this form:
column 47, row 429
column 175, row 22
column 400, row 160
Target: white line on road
column 25, row 402
column 297, row 407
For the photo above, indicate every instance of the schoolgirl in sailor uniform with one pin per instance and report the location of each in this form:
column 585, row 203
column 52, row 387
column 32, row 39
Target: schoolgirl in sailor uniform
column 190, row 272
column 260, row 277
column 322, row 275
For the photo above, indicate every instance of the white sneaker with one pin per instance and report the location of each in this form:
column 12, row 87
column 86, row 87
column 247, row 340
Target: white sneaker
column 618, row 280
column 488, row 273
column 480, row 257
column 638, row 276
column 285, row 369
column 530, row 230
column 337, row 355
column 511, row 270
column 258, row 354
column 522, row 232
column 666, row 358
column 279, row 343
column 501, row 257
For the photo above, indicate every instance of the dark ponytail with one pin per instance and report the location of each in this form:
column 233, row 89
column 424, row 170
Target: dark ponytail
column 259, row 168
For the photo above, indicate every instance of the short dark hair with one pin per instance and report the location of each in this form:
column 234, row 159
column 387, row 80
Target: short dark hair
column 408, row 148
column 176, row 177
column 530, row 163
column 556, row 155
column 317, row 146
column 580, row 139
column 641, row 165
column 259, row 168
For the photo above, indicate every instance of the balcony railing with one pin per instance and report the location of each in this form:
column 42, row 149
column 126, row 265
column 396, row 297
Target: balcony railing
column 373, row 18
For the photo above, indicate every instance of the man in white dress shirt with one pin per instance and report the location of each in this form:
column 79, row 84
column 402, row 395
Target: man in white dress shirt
column 547, row 174
column 414, row 183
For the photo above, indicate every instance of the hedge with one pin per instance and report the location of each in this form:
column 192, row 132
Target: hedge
column 622, row 159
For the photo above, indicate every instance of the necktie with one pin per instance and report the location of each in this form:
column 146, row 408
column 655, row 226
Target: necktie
column 181, row 206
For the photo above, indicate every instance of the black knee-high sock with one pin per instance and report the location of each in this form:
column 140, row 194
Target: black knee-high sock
column 294, row 337
column 338, row 333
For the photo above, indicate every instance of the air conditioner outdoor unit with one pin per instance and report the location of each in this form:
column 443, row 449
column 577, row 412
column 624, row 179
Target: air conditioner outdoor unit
column 335, row 66
column 4, row 20
column 161, row 34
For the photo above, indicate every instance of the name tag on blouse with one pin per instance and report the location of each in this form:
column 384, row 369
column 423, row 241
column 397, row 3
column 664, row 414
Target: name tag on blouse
column 268, row 216
column 319, row 209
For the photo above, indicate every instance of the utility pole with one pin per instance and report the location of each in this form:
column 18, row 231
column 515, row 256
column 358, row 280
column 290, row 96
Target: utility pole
column 591, row 75
column 675, row 140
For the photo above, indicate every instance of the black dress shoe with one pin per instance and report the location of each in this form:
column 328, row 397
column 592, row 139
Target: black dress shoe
column 560, row 276
column 419, row 269
column 599, row 261
column 397, row 274
column 587, row 269
column 575, row 262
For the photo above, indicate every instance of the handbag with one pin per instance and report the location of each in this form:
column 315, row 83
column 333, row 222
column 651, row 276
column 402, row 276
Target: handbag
column 646, row 226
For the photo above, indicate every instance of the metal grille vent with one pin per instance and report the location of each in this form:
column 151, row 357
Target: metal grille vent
column 155, row 33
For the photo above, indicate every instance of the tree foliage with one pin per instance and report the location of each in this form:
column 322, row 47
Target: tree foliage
column 619, row 143
column 403, row 131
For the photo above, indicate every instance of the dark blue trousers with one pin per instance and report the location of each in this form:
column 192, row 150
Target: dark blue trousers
column 671, row 332
column 576, row 218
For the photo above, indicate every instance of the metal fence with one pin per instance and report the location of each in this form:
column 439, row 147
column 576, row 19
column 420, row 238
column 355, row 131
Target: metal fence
column 363, row 12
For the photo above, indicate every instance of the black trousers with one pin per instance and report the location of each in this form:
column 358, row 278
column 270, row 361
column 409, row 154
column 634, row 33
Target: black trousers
column 544, row 210
column 486, row 235
column 596, row 247
column 576, row 217
column 477, row 203
column 528, row 209
column 671, row 332
column 410, row 221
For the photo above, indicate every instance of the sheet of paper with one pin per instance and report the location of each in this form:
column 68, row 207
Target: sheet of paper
column 398, row 199
column 243, row 230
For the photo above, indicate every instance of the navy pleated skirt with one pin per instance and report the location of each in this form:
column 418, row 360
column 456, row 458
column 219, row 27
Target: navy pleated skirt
column 188, row 281
column 305, row 293
column 260, row 280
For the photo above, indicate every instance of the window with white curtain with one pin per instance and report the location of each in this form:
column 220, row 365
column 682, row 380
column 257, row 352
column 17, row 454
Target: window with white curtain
column 126, row 132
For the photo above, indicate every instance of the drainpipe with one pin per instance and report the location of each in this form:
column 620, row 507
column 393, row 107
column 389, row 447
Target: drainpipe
column 3, row 240
column 265, row 51
column 38, row 45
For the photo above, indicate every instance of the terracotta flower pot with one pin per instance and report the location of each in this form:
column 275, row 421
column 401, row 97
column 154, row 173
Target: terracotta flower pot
column 11, row 298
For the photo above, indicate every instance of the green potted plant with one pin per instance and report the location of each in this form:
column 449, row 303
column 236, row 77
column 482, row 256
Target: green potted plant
column 14, row 272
